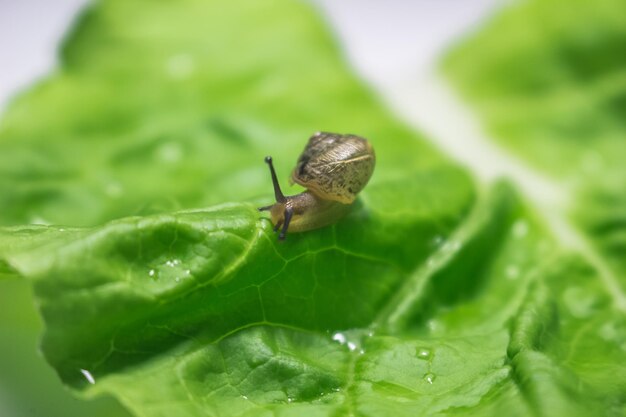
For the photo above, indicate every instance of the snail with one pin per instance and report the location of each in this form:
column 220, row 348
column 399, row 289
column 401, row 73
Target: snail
column 334, row 168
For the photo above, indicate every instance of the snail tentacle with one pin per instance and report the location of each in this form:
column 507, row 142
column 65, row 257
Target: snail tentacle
column 278, row 193
column 288, row 215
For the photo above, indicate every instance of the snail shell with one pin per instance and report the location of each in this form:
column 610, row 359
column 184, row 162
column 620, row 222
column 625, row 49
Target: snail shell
column 335, row 167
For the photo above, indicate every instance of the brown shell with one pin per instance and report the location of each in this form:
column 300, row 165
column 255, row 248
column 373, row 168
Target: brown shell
column 335, row 167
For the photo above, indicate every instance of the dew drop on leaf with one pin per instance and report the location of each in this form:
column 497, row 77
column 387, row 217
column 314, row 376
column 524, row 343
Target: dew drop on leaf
column 39, row 220
column 339, row 337
column 429, row 377
column 172, row 263
column 88, row 376
column 424, row 354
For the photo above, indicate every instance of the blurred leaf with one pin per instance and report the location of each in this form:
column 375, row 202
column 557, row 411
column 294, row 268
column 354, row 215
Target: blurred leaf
column 28, row 386
column 549, row 81
column 430, row 298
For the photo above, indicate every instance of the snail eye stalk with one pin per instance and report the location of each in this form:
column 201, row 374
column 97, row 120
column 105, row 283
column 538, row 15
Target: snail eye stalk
column 280, row 197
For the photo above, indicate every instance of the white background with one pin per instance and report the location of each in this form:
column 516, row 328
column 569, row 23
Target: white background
column 392, row 39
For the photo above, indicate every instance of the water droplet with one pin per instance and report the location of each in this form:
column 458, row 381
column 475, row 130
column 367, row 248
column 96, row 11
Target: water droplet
column 339, row 337
column 39, row 220
column 429, row 377
column 361, row 351
column 171, row 270
column 180, row 66
column 245, row 397
column 424, row 353
column 352, row 339
column 336, row 389
column 512, row 272
column 172, row 263
column 370, row 334
column 520, row 229
column 289, row 400
column 88, row 376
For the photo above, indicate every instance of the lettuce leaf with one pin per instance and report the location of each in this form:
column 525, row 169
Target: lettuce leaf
column 549, row 82
column 434, row 296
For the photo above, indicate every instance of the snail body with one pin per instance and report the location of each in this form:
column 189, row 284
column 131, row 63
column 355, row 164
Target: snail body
column 334, row 168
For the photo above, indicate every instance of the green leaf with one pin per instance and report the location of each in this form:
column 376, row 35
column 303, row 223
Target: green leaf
column 548, row 83
column 432, row 297
column 550, row 86
column 204, row 312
